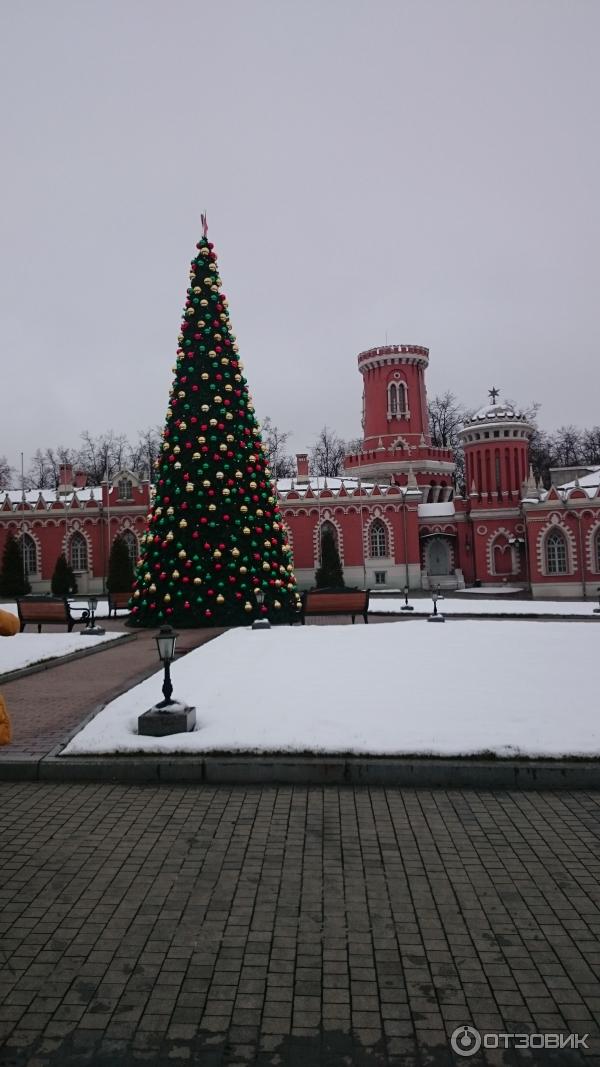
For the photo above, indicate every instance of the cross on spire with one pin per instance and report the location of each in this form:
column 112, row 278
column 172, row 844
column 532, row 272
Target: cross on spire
column 493, row 393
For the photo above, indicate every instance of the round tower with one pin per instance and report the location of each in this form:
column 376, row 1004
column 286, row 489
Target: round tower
column 496, row 446
column 394, row 395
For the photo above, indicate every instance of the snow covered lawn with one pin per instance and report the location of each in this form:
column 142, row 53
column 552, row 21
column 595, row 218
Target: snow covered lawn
column 23, row 650
column 512, row 688
column 453, row 605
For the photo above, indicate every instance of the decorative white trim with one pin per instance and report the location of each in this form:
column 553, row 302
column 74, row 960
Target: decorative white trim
column 377, row 514
column 592, row 548
column 556, row 522
column 327, row 515
column 491, row 543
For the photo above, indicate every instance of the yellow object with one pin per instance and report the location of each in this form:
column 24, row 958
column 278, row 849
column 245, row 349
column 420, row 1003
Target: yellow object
column 5, row 724
column 9, row 624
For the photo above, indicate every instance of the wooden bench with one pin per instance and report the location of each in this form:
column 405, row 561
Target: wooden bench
column 116, row 601
column 324, row 602
column 46, row 609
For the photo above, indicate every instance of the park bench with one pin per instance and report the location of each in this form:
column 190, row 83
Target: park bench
column 46, row 609
column 330, row 602
column 116, row 601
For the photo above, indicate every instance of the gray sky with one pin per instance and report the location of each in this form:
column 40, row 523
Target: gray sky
column 425, row 170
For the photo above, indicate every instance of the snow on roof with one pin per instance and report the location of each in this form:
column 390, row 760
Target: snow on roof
column 502, row 411
column 441, row 508
column 586, row 481
column 286, row 485
column 50, row 496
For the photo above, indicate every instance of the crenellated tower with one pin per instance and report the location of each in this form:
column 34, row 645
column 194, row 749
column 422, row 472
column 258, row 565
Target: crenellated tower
column 496, row 445
column 396, row 439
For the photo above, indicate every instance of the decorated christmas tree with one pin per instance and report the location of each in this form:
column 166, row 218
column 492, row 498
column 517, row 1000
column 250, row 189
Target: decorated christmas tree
column 215, row 535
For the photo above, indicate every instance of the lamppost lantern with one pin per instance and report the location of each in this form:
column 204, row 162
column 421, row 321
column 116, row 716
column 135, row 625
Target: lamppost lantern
column 436, row 615
column 91, row 630
column 406, row 606
column 166, row 639
column 168, row 716
column 261, row 624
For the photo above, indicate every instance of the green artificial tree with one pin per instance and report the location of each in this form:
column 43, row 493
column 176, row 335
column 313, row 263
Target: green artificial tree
column 330, row 574
column 215, row 535
column 13, row 580
column 63, row 579
column 120, row 569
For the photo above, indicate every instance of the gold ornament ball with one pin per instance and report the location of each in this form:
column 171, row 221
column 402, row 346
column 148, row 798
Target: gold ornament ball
column 247, row 606
column 169, row 536
column 243, row 570
column 212, row 507
column 204, row 376
column 276, row 604
column 189, row 487
column 266, row 566
column 213, row 422
column 243, row 509
column 183, row 425
column 170, row 511
column 167, row 597
column 181, row 394
column 205, row 407
column 175, row 574
column 246, row 530
column 202, row 440
column 220, row 474
column 182, row 554
column 220, row 599
column 235, row 552
column 177, row 450
column 217, row 553
column 196, row 455
column 177, row 466
column 197, row 581
column 183, row 524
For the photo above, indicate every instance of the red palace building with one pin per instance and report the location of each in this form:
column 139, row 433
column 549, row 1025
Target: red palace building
column 395, row 513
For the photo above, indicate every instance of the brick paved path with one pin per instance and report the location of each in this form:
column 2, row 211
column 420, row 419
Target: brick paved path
column 45, row 707
column 231, row 926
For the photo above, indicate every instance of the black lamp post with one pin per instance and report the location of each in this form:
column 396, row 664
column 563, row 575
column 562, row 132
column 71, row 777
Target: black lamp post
column 263, row 623
column 168, row 716
column 406, row 606
column 436, row 616
column 91, row 630
column 166, row 639
column 597, row 610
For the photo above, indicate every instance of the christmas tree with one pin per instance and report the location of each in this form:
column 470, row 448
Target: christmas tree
column 215, row 535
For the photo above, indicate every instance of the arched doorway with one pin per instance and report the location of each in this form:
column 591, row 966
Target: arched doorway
column 438, row 557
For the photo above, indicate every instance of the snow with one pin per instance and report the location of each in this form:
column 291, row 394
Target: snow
column 23, row 650
column 462, row 606
column 443, row 507
column 398, row 689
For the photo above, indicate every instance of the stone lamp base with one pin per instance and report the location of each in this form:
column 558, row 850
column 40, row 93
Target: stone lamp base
column 160, row 722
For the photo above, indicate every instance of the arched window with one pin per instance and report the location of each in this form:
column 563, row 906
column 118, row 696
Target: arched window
column 556, row 553
column 328, row 530
column 397, row 400
column 132, row 545
column 78, row 552
column 596, row 550
column 125, row 489
column 378, row 539
column 28, row 554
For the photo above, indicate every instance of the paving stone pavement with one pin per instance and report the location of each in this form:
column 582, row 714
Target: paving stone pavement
column 46, row 707
column 290, row 925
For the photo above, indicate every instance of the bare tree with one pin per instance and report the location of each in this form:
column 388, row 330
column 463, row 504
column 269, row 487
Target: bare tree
column 446, row 416
column 143, row 453
column 7, row 473
column 44, row 469
column 103, row 455
column 327, row 456
column 590, row 446
column 275, row 440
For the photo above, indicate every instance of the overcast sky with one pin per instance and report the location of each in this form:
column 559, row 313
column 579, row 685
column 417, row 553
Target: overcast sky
column 422, row 171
